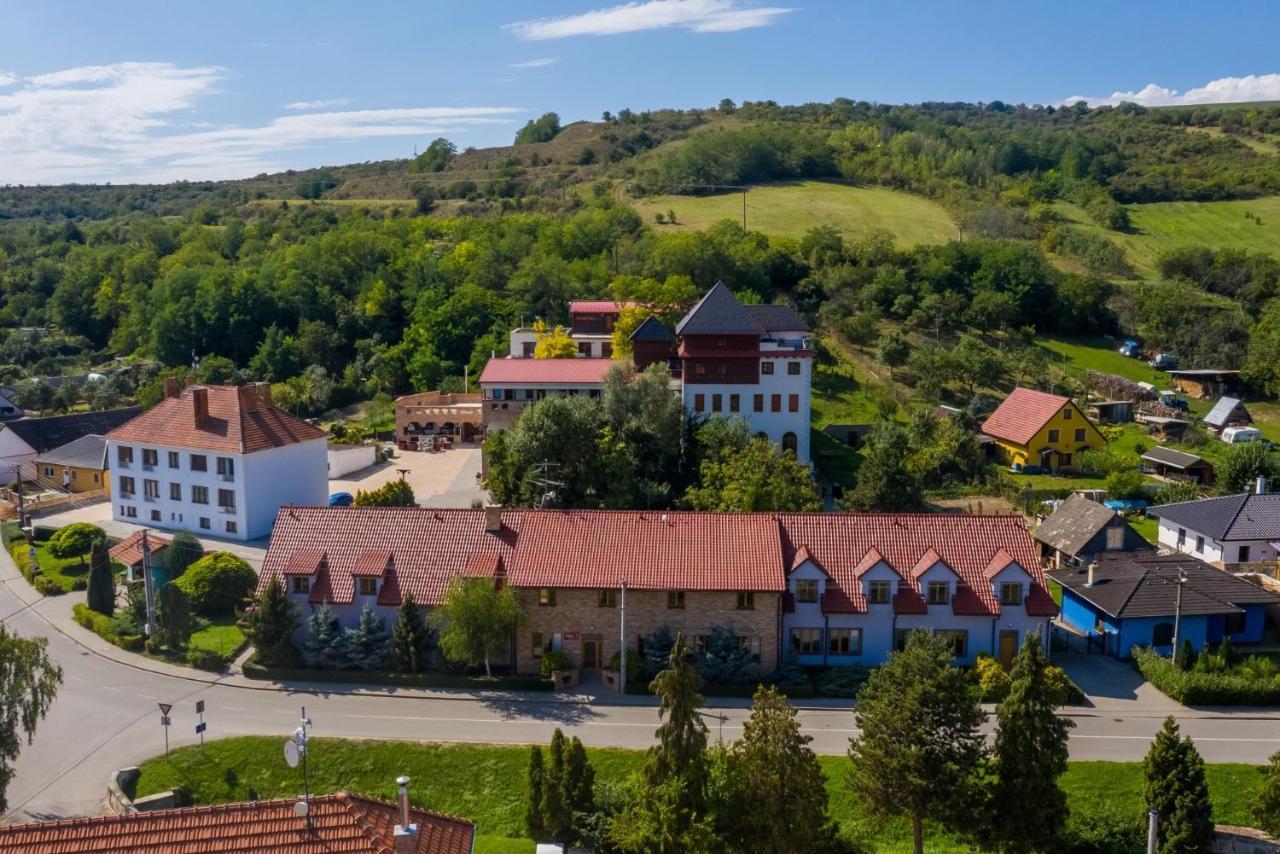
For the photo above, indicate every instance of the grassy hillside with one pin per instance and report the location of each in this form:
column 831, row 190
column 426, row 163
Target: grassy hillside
column 1161, row 226
column 790, row 209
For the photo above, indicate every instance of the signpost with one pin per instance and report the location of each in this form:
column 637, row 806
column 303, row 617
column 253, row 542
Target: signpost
column 200, row 727
column 164, row 722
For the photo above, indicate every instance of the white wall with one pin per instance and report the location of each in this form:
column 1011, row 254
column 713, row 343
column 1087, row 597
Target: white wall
column 15, row 452
column 293, row 474
column 348, row 459
column 772, row 424
column 1168, row 537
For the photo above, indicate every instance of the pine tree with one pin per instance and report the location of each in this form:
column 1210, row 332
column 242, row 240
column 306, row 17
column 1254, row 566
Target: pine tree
column 174, row 616
column 1177, row 791
column 919, row 750
column 1030, row 756
column 101, row 595
column 722, row 659
column 1266, row 806
column 367, row 644
column 325, row 645
column 778, row 796
column 556, row 815
column 579, row 778
column 410, row 638
column 534, row 826
column 271, row 625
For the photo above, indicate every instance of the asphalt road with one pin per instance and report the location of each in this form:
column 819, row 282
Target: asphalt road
column 106, row 717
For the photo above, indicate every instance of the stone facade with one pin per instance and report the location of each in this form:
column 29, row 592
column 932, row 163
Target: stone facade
column 578, row 618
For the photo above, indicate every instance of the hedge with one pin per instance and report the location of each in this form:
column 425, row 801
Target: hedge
column 1194, row 688
column 254, row 670
column 101, row 625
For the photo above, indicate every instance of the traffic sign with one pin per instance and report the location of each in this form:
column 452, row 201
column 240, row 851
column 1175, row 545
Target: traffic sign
column 200, row 727
column 164, row 708
column 199, row 707
column 164, row 720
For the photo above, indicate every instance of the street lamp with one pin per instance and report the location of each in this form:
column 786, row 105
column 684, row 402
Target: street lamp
column 1181, row 581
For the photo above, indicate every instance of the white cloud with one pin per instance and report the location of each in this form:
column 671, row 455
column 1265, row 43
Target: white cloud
column 322, row 104
column 7, row 79
column 700, row 16
column 139, row 122
column 543, row 62
column 1224, row 90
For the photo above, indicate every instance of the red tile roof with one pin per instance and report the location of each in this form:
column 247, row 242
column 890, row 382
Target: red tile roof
column 340, row 824
column 599, row 306
column 546, row 371
column 304, row 562
column 129, row 550
column 1020, row 416
column 488, row 565
column 238, row 422
column 375, row 562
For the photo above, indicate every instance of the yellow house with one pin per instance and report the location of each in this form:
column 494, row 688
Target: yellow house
column 78, row 466
column 1035, row 429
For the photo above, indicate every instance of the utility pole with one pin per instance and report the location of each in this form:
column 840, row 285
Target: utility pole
column 148, row 586
column 1177, row 611
column 22, row 507
column 622, row 640
column 546, row 483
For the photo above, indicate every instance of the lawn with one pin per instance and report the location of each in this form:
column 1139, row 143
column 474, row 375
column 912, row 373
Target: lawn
column 1078, row 356
column 485, row 782
column 790, row 209
column 220, row 635
column 1148, row 527
column 63, row 572
column 1161, row 226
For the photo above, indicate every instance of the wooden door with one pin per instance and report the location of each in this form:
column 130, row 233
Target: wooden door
column 591, row 652
column 1008, row 648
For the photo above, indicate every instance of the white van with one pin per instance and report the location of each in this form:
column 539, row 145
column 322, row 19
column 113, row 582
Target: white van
column 1239, row 435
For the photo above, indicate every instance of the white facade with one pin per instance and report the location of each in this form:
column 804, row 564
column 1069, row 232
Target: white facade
column 1180, row 538
column 590, row 345
column 344, row 459
column 234, row 496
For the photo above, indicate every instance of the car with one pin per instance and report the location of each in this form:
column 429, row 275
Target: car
column 1164, row 362
column 1131, row 349
column 341, row 499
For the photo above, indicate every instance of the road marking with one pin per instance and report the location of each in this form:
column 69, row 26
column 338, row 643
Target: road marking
column 1197, row 739
column 439, row 720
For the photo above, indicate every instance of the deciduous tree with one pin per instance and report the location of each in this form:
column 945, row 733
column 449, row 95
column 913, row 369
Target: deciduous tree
column 29, row 681
column 885, row 483
column 475, row 621
column 76, row 540
column 1243, row 464
column 1266, row 805
column 744, row 473
column 553, row 342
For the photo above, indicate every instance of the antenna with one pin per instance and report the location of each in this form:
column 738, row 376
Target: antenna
column 545, row 483
column 295, row 753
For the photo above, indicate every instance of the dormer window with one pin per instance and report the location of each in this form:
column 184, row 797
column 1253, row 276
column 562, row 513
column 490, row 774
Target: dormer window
column 368, row 586
column 878, row 592
column 806, row 590
column 300, row 584
column 939, row 593
column 1010, row 594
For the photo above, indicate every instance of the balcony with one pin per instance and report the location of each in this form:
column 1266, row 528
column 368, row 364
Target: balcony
column 226, row 508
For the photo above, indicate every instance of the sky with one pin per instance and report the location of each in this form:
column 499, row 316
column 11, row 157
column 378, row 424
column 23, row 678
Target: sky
column 146, row 91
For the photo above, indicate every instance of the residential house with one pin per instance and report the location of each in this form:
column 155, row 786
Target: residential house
column 1231, row 531
column 507, row 386
column 1227, row 412
column 1172, row 464
column 23, row 440
column 1205, row 382
column 836, row 588
column 1035, row 431
column 216, row 460
column 653, row 342
column 338, row 822
column 1080, row 530
column 128, row 552
column 9, row 407
column 78, row 466
column 1127, row 600
column 591, row 325
column 435, row 413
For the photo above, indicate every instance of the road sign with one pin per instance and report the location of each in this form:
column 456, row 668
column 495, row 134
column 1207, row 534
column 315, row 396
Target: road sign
column 164, row 708
column 164, row 720
column 199, row 707
column 200, row 727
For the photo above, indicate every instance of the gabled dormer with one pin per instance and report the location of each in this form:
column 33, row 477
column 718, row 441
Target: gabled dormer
column 370, row 572
column 878, row 580
column 303, row 570
column 935, row 579
column 807, row 579
column 1010, row 582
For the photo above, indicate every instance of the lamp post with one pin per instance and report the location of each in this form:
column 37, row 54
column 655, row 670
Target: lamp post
column 622, row 639
column 1177, row 611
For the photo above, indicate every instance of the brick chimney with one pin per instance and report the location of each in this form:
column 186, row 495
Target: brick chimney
column 405, row 833
column 264, row 395
column 248, row 395
column 493, row 518
column 171, row 387
column 200, row 406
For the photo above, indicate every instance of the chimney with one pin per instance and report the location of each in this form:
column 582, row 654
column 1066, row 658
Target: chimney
column 1261, row 484
column 171, row 387
column 200, row 406
column 264, row 395
column 248, row 397
column 406, row 833
column 1093, row 565
column 493, row 518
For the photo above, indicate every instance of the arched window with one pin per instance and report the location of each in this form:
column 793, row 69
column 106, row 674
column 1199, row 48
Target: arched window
column 789, row 441
column 1162, row 634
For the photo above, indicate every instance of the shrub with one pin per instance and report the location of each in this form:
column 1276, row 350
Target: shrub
column 80, row 583
column 107, row 628
column 47, row 586
column 206, row 659
column 1238, row 687
column 635, row 666
column 1065, row 691
column 76, row 540
column 842, row 681
column 217, row 583
column 993, row 679
column 556, row 659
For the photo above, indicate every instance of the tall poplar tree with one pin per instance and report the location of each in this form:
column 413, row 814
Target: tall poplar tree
column 101, row 595
column 556, row 815
column 533, row 824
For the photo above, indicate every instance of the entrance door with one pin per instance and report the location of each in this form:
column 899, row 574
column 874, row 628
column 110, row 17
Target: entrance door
column 1008, row 648
column 591, row 649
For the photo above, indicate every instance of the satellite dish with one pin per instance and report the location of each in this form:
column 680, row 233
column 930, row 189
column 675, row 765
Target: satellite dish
column 301, row 808
column 291, row 754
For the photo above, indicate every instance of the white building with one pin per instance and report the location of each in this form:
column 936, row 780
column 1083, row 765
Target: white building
column 590, row 326
column 215, row 460
column 748, row 361
column 1231, row 531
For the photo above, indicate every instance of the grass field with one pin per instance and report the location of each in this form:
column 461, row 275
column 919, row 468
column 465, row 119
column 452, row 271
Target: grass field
column 1161, row 226
column 63, row 571
column 485, row 783
column 790, row 209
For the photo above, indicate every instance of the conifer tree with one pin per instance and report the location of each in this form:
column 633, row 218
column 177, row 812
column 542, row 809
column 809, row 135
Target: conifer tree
column 174, row 616
column 1030, row 755
column 919, row 748
column 1266, row 806
column 325, row 644
column 101, row 595
column 579, row 778
column 556, row 815
column 271, row 625
column 410, row 638
column 1176, row 790
column 534, row 826
column 367, row 644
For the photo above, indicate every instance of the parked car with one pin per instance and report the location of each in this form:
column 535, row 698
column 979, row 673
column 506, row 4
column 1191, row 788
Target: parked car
column 341, row 499
column 1164, row 362
column 1240, row 435
column 1131, row 349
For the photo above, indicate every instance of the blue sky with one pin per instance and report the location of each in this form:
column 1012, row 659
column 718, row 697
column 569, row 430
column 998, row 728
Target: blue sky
column 141, row 90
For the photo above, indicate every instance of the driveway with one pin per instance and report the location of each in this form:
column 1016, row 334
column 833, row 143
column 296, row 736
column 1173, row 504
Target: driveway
column 1114, row 686
column 438, row 479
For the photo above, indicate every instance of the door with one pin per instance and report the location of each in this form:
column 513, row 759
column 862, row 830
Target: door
column 1008, row 648
column 591, row 647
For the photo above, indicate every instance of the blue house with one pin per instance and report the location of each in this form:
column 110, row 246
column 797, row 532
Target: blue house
column 1126, row 600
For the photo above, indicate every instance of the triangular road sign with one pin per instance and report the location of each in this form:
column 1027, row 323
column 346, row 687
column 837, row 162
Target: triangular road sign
column 164, row 708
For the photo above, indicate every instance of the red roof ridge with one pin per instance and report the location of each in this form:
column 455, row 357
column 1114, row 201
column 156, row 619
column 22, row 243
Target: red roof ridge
column 869, row 560
column 1022, row 414
column 928, row 561
column 999, row 561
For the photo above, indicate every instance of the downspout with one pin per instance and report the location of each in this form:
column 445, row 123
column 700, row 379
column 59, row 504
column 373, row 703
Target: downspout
column 826, row 634
column 995, row 653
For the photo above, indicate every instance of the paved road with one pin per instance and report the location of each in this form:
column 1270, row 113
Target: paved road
column 105, row 718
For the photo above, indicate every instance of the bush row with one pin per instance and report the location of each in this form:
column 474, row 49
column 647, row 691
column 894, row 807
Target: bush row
column 254, row 670
column 1197, row 688
column 102, row 626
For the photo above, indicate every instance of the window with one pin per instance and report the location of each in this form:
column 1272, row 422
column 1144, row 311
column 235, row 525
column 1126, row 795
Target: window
column 199, row 462
column 547, row 596
column 1234, row 624
column 608, row 598
column 73, row 474
column 793, row 368
column 1066, row 414
column 878, row 592
column 766, row 367
column 757, row 403
column 958, row 638
column 301, row 584
column 1199, row 543
column 775, row 402
column 1182, row 537
column 173, row 459
column 675, row 598
column 734, row 402
column 606, row 350
column 126, row 486
column 527, row 348
column 900, row 638
column 793, row 403
column 751, row 646
column 1162, row 634
column 1079, row 434
column 584, row 349
column 151, row 489
column 1053, row 436
column 227, row 499
column 155, row 515
column 368, row 586
column 535, row 644
column 1244, row 554
column 231, row 527
column 844, row 641
column 717, row 402
column 226, row 467
column 939, row 592
column 806, row 590
column 199, row 495
column 124, row 455
column 789, row 442
column 806, row 641
column 1115, row 538
column 150, row 458
column 175, row 492
column 699, row 403
column 1064, row 459
column 1010, row 594
column 204, row 522
column 746, row 600
column 130, row 512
